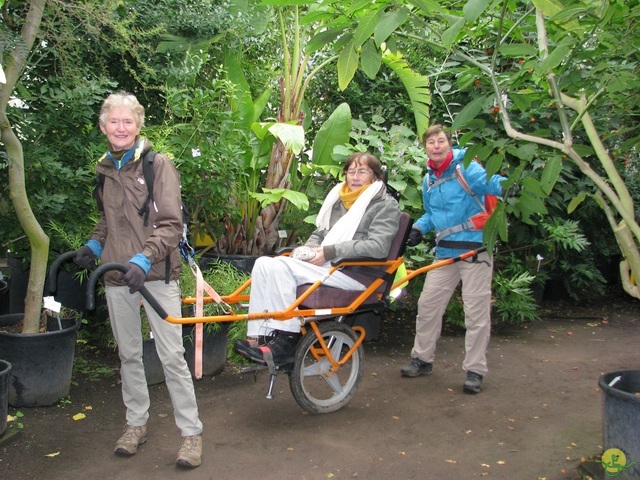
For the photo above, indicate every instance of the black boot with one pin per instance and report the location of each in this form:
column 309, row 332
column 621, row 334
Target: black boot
column 279, row 348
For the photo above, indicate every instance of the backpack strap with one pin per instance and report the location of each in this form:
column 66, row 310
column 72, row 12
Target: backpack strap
column 147, row 172
column 467, row 188
column 97, row 188
column 149, row 179
column 435, row 183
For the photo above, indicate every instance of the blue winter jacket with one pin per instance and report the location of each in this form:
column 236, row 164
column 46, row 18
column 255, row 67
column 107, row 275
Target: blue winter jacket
column 448, row 204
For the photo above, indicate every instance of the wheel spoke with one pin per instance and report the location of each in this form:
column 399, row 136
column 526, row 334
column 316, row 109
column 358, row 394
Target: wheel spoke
column 314, row 369
column 336, row 348
column 334, row 383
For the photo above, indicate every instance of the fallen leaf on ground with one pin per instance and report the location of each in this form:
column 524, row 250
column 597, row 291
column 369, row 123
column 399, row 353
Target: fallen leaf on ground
column 79, row 416
column 52, row 454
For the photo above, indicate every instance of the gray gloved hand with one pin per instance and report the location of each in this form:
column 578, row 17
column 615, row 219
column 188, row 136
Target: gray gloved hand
column 415, row 237
column 134, row 278
column 85, row 258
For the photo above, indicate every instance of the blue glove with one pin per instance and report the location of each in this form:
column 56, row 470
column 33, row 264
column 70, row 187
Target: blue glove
column 85, row 258
column 134, row 278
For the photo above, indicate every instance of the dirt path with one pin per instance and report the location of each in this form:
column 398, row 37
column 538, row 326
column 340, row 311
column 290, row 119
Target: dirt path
column 539, row 414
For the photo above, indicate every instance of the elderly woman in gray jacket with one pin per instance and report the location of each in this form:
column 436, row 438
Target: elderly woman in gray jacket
column 357, row 219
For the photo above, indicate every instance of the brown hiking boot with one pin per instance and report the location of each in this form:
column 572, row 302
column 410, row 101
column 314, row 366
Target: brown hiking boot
column 128, row 443
column 190, row 453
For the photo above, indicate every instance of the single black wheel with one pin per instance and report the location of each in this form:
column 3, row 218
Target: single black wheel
column 315, row 384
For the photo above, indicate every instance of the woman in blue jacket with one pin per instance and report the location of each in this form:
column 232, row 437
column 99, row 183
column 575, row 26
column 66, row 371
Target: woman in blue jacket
column 453, row 213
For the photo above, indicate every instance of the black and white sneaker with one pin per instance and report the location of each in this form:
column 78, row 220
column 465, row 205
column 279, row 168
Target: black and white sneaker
column 473, row 383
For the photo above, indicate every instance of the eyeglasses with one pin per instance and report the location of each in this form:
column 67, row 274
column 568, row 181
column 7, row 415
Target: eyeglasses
column 361, row 172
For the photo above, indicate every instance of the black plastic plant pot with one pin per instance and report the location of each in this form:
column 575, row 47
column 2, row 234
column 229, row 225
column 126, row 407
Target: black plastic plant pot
column 5, row 375
column 42, row 363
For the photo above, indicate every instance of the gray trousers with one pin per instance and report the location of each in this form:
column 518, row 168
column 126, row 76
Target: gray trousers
column 273, row 288
column 124, row 313
column 476, row 296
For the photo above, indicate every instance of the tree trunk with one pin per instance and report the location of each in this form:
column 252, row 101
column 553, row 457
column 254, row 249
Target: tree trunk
column 38, row 240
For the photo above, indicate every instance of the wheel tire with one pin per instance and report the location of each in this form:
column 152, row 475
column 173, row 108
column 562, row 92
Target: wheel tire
column 314, row 386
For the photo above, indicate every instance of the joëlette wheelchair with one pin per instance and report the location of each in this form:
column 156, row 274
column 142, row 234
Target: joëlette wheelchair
column 329, row 359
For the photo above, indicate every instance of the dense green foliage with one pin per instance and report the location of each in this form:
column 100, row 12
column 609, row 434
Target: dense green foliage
column 372, row 74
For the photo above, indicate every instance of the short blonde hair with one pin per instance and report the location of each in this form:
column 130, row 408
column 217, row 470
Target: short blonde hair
column 122, row 99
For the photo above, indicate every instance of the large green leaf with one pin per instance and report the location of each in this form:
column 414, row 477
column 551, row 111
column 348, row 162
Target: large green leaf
column 233, row 67
column 389, row 23
column 292, row 136
column 429, row 7
column 494, row 164
column 468, row 113
column 347, row 65
column 417, row 87
column 551, row 173
column 474, row 8
column 370, row 59
column 366, row 27
column 450, row 35
column 554, row 9
column 526, row 151
column 260, row 104
column 335, row 131
column 518, row 50
column 243, row 110
column 555, row 58
column 575, row 202
column 273, row 195
column 322, row 39
column 496, row 226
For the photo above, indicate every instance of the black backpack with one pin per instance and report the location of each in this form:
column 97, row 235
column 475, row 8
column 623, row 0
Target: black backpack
column 147, row 171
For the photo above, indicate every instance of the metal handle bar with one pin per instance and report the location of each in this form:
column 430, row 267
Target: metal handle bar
column 98, row 272
column 52, row 282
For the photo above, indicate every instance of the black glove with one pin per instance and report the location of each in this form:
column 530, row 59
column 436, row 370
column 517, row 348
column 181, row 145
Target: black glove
column 512, row 191
column 134, row 278
column 85, row 258
column 415, row 237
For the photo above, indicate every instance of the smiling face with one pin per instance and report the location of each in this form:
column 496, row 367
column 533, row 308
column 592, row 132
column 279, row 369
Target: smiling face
column 359, row 174
column 120, row 128
column 438, row 147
